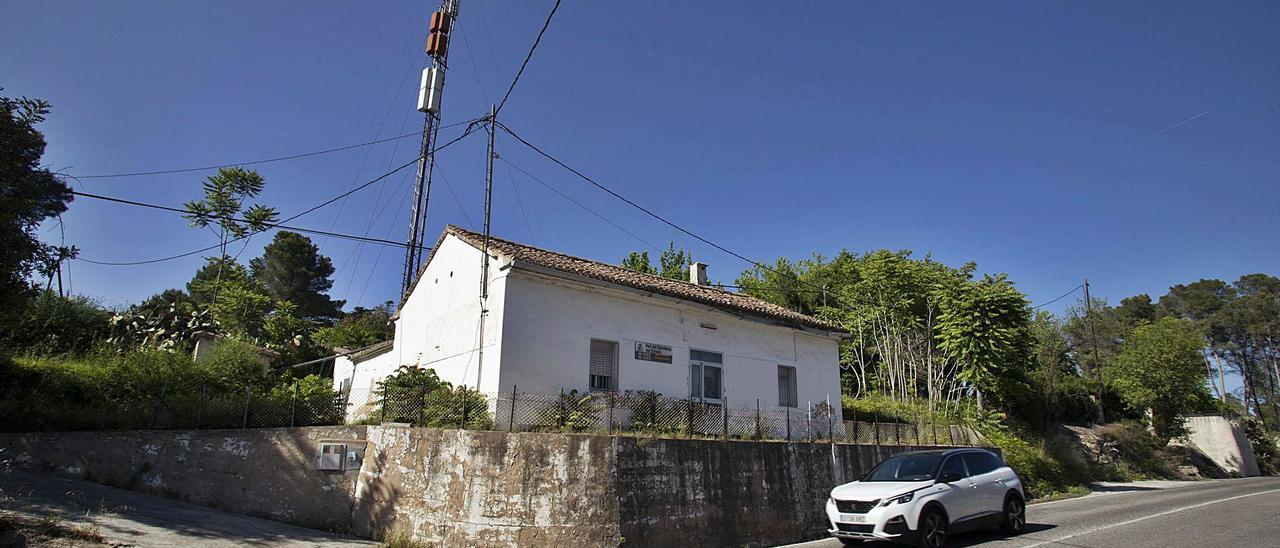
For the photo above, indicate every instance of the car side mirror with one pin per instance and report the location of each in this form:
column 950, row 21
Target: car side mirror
column 949, row 477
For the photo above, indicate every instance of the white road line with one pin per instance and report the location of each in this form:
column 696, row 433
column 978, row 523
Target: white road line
column 1144, row 518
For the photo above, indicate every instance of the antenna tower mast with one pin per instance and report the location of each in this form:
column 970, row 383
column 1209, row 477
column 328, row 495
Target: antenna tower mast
column 429, row 95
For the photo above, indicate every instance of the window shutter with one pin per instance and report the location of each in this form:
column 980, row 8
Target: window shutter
column 604, row 361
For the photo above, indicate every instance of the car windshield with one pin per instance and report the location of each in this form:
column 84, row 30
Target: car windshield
column 905, row 468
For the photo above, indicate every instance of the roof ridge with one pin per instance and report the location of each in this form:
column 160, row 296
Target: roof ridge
column 615, row 274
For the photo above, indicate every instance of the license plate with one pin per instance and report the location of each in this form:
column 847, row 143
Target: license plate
column 853, row 518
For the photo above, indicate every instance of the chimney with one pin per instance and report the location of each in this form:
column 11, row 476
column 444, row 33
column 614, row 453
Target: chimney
column 698, row 273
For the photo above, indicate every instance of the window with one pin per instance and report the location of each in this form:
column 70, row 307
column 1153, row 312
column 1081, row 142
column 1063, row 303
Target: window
column 954, row 465
column 907, row 467
column 331, row 456
column 604, row 365
column 787, row 391
column 705, row 382
column 981, row 463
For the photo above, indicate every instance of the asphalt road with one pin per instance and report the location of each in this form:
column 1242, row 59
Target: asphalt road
column 1218, row 514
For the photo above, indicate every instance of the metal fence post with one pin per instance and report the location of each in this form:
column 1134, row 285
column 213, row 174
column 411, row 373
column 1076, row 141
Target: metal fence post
column 787, row 409
column 462, row 422
column 876, row 424
column 808, row 422
column 511, row 418
column 155, row 413
column 611, row 404
column 688, row 431
column 856, row 439
column 200, row 408
column 293, row 405
column 915, row 412
column 831, row 421
column 758, row 418
column 897, row 432
column 560, row 415
column 724, row 418
column 933, row 427
column 248, row 397
column 382, row 409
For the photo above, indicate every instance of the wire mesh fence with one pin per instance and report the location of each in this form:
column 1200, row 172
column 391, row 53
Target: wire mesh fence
column 638, row 413
column 643, row 413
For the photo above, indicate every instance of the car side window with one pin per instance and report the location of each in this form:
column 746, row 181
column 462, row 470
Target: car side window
column 954, row 465
column 981, row 463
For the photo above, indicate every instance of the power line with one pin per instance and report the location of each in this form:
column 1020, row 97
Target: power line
column 309, row 210
column 1064, row 295
column 239, row 220
column 528, row 56
column 579, row 204
column 268, row 160
column 647, row 211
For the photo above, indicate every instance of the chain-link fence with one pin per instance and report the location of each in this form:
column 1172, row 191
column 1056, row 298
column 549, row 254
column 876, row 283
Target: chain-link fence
column 642, row 413
column 181, row 407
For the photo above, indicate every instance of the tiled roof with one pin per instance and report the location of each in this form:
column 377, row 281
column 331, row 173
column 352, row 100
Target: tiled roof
column 710, row 296
column 370, row 351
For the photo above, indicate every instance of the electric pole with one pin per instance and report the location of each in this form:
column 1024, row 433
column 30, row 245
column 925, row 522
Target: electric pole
column 484, row 255
column 1097, row 363
column 430, row 90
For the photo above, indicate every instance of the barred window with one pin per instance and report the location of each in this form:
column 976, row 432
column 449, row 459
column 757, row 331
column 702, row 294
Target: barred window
column 787, row 390
column 604, row 365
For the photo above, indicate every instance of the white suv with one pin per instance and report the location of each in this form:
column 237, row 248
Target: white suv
column 919, row 497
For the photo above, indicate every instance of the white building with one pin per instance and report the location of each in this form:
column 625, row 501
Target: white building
column 557, row 322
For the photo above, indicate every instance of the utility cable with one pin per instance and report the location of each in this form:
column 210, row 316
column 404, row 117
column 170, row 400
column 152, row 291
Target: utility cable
column 1064, row 295
column 239, row 220
column 528, row 56
column 268, row 160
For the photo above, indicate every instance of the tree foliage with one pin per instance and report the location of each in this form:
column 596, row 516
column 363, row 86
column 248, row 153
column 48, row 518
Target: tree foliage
column 360, row 328
column 1160, row 368
column 673, row 263
column 292, row 269
column 29, row 194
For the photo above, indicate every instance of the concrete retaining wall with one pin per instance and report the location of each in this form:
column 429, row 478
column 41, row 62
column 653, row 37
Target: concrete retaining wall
column 1224, row 443
column 267, row 472
column 458, row 487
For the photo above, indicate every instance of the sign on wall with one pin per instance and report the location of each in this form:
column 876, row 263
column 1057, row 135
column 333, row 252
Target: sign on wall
column 653, row 352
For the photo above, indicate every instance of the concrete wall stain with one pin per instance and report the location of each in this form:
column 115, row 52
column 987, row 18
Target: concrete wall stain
column 472, row 488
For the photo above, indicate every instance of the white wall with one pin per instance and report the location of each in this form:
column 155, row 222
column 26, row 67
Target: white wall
column 365, row 376
column 548, row 325
column 1224, row 443
column 439, row 323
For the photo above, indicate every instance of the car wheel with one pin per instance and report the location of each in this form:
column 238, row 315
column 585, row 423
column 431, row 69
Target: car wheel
column 933, row 529
column 850, row 542
column 1015, row 515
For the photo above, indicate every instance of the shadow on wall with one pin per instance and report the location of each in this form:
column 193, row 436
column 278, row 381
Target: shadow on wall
column 269, row 473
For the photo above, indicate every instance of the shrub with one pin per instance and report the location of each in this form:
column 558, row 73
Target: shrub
column 51, row 324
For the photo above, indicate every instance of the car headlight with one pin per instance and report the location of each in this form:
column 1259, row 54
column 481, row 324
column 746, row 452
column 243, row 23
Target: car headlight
column 901, row 499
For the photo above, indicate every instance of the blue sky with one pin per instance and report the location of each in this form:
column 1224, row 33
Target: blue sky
column 1135, row 143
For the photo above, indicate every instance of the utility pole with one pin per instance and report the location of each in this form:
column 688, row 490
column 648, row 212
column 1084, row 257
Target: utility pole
column 1097, row 363
column 484, row 255
column 430, row 90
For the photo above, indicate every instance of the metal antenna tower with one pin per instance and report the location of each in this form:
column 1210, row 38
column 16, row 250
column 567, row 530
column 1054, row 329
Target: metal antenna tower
column 429, row 96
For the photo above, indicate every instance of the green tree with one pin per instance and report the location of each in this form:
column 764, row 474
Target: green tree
column 1136, row 310
column 216, row 272
column 222, row 210
column 29, row 194
column 985, row 327
column 292, row 269
column 673, row 263
column 1160, row 368
column 361, row 328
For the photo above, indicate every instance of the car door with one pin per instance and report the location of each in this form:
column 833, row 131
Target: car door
column 958, row 499
column 988, row 485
